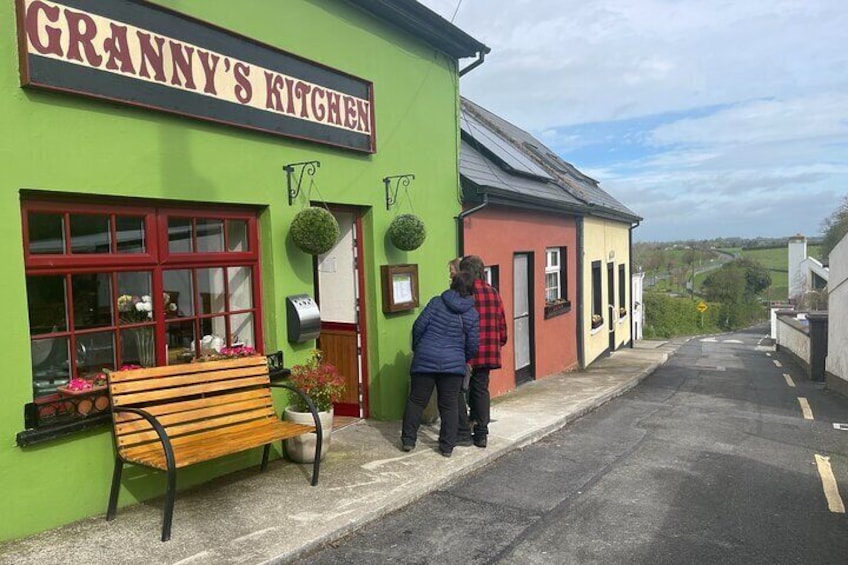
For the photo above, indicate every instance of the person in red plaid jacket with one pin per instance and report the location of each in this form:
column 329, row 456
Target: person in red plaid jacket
column 488, row 303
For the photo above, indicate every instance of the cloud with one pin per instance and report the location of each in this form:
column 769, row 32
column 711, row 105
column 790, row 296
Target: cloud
column 708, row 118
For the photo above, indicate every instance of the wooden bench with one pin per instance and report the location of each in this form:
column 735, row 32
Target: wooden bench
column 171, row 417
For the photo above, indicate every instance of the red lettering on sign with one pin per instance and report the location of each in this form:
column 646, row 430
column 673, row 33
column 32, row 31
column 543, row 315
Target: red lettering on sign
column 152, row 55
column 181, row 58
column 333, row 101
column 350, row 112
column 290, row 96
column 119, row 50
column 273, row 84
column 364, row 116
column 209, row 70
column 53, row 34
column 301, row 91
column 243, row 90
column 82, row 37
column 319, row 110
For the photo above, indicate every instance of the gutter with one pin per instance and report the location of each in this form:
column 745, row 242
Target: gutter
column 581, row 358
column 460, row 225
column 630, row 306
column 481, row 56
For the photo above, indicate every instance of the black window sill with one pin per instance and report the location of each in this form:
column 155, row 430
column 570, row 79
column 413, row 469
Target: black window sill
column 27, row 438
column 554, row 310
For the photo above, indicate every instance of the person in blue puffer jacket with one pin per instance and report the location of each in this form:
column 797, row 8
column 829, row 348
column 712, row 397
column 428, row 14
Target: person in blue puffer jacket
column 444, row 337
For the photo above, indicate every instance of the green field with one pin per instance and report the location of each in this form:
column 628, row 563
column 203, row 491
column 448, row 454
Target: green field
column 776, row 260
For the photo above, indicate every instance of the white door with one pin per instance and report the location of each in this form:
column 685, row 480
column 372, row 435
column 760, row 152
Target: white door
column 522, row 318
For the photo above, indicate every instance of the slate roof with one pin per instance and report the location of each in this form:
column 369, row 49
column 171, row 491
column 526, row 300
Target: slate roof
column 508, row 146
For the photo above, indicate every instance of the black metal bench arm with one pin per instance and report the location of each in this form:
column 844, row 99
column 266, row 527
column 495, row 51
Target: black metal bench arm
column 318, row 429
column 170, row 462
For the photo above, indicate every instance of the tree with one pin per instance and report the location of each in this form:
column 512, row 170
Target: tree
column 736, row 285
column 835, row 227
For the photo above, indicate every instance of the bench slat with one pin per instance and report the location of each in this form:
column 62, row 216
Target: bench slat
column 162, row 410
column 185, row 369
column 156, row 383
column 140, row 425
column 191, row 390
column 203, row 447
column 176, row 431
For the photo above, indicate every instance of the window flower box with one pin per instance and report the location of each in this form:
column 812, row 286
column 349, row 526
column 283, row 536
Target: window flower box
column 597, row 321
column 557, row 307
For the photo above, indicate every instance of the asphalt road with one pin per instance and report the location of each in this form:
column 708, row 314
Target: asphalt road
column 710, row 460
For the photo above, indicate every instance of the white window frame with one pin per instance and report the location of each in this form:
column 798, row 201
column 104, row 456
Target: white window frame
column 553, row 268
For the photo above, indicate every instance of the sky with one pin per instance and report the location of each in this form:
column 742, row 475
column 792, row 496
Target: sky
column 709, row 118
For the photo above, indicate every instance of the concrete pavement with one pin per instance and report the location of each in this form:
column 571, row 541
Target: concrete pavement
column 275, row 516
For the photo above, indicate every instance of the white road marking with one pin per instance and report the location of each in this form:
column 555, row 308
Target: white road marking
column 840, row 427
column 733, row 341
column 789, row 380
column 805, row 408
column 776, row 363
column 768, row 354
column 709, row 340
column 831, row 489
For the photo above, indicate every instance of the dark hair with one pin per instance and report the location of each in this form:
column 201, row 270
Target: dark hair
column 463, row 283
column 474, row 265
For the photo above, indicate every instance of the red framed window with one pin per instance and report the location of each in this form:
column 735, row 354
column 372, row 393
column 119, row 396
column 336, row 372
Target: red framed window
column 109, row 286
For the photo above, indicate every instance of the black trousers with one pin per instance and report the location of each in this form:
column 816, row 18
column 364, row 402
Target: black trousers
column 479, row 402
column 447, row 387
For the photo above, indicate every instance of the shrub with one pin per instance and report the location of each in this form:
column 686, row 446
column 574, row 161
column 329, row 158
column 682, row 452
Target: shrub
column 314, row 230
column 407, row 232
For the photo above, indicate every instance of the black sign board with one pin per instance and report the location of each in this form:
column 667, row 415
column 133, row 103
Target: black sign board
column 146, row 55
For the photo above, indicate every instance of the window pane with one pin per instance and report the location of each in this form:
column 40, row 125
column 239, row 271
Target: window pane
column 214, row 332
column 241, row 288
column 178, row 297
column 210, row 236
column 49, row 365
column 180, row 342
column 46, row 301
column 210, row 291
column 237, row 236
column 95, row 352
column 46, row 233
column 90, row 234
column 241, row 328
column 135, row 305
column 130, row 234
column 138, row 347
column 92, row 300
column 179, row 235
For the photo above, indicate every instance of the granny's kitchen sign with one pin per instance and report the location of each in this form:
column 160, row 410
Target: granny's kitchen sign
column 146, row 55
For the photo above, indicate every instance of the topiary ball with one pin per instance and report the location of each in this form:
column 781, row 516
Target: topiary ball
column 407, row 232
column 314, row 230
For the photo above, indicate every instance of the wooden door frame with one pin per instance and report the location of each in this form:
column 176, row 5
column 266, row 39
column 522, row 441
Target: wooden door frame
column 362, row 321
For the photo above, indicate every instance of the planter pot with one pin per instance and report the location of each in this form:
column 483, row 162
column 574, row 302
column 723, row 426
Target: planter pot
column 301, row 449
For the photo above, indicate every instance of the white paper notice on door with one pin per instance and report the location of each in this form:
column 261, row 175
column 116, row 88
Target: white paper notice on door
column 402, row 287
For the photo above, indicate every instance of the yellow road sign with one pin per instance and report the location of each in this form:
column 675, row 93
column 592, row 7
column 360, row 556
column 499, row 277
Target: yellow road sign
column 702, row 306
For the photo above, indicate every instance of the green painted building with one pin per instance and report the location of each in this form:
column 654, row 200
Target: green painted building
column 146, row 208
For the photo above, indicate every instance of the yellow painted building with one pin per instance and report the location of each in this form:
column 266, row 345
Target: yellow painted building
column 605, row 281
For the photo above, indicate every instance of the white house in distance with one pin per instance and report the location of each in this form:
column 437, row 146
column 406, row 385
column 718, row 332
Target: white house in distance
column 805, row 273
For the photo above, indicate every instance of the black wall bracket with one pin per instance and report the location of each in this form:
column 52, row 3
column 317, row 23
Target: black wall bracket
column 308, row 167
column 393, row 184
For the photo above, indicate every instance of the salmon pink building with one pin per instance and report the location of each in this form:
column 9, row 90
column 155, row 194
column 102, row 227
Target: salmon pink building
column 537, row 221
